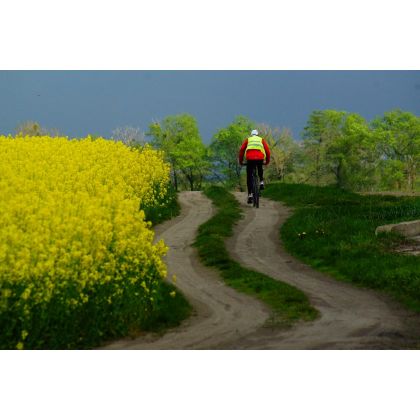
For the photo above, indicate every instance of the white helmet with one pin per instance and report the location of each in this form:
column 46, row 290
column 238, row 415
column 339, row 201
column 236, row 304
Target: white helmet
column 254, row 133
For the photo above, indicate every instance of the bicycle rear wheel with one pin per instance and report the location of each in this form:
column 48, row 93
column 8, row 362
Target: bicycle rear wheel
column 255, row 190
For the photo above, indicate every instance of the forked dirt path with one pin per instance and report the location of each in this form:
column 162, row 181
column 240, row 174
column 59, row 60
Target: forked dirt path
column 350, row 317
column 221, row 315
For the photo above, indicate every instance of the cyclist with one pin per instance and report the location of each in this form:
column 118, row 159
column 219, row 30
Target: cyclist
column 257, row 153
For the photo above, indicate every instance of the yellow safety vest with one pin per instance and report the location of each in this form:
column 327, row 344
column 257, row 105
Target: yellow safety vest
column 255, row 142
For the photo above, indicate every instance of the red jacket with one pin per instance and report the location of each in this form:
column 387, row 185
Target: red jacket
column 254, row 154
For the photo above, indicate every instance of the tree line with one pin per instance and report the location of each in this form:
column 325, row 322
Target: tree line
column 337, row 147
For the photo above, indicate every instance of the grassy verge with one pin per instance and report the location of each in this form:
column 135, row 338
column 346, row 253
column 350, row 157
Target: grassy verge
column 171, row 307
column 287, row 303
column 105, row 316
column 334, row 231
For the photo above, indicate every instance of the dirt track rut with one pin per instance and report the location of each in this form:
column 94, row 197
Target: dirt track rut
column 350, row 317
column 221, row 315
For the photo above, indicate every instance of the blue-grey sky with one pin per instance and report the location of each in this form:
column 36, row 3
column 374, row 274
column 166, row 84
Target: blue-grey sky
column 96, row 102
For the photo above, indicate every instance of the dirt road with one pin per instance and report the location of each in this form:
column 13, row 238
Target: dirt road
column 350, row 317
column 221, row 315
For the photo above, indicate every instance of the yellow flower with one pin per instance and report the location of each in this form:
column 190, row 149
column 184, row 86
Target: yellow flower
column 70, row 213
column 25, row 295
column 19, row 345
column 173, row 293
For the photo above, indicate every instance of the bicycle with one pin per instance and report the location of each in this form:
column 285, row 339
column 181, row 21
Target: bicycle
column 255, row 187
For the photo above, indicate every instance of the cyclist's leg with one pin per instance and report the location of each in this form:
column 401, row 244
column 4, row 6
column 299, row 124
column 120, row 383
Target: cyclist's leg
column 260, row 169
column 249, row 167
column 260, row 173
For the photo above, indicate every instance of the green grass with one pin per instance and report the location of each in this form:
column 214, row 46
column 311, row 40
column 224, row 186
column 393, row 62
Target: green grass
column 169, row 310
column 287, row 303
column 56, row 325
column 334, row 231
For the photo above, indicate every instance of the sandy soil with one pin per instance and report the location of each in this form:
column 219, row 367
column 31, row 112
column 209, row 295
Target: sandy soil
column 350, row 317
column 221, row 315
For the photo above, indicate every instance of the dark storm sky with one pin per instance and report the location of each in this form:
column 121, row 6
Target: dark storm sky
column 96, row 102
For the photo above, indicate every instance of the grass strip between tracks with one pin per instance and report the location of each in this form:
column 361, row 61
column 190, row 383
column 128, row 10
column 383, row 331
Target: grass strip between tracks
column 287, row 303
column 334, row 231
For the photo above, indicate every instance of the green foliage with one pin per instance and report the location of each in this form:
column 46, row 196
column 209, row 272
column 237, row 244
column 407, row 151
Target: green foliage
column 397, row 134
column 391, row 174
column 179, row 137
column 287, row 303
column 342, row 148
column 337, row 149
column 357, row 154
column 56, row 325
column 340, row 236
column 323, row 128
column 286, row 155
column 225, row 149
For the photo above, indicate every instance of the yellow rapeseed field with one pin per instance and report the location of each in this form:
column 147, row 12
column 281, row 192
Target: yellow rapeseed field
column 70, row 220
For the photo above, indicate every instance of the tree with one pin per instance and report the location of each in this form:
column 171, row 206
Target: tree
column 192, row 159
column 358, row 153
column 225, row 149
column 397, row 134
column 284, row 151
column 34, row 129
column 323, row 129
column 349, row 154
column 179, row 138
column 339, row 148
column 131, row 136
column 29, row 128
